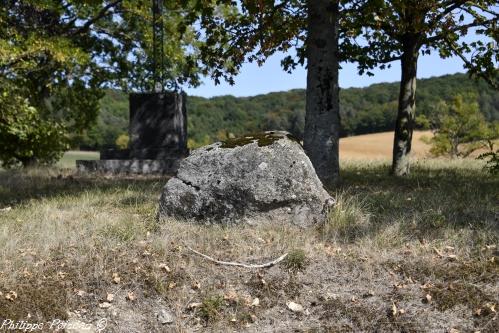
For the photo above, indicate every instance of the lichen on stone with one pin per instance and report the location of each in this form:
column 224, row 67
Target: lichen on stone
column 262, row 139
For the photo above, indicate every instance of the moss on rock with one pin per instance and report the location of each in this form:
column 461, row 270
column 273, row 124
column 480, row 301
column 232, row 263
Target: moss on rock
column 262, row 139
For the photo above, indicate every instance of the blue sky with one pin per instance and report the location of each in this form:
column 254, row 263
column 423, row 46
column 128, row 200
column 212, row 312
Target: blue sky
column 254, row 80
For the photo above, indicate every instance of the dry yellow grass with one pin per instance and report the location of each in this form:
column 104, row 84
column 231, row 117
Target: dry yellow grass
column 426, row 244
column 379, row 146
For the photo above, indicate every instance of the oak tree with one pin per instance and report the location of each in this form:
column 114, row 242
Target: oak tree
column 383, row 31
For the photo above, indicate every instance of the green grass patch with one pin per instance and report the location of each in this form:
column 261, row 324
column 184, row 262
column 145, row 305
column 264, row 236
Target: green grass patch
column 68, row 160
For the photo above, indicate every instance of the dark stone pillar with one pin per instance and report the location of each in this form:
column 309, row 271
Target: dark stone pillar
column 158, row 126
column 158, row 137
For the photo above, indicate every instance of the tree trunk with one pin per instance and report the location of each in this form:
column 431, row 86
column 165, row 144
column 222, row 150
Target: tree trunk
column 406, row 107
column 322, row 118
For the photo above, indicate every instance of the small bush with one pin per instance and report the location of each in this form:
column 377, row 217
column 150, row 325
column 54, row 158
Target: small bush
column 211, row 308
column 296, row 260
column 347, row 219
column 492, row 161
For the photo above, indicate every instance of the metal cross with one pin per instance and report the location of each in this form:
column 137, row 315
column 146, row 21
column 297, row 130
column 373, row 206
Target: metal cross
column 158, row 50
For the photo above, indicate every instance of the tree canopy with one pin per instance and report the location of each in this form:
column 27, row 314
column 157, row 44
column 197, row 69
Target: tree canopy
column 378, row 30
column 56, row 57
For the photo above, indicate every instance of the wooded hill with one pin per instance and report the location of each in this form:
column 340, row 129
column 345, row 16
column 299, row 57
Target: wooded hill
column 364, row 110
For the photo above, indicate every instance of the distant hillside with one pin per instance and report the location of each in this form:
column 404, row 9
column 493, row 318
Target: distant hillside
column 363, row 110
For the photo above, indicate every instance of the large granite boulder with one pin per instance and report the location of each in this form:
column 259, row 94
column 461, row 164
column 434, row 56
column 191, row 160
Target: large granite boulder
column 252, row 179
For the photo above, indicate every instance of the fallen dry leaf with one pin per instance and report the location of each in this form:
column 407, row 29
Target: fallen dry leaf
column 231, row 296
column 295, row 307
column 164, row 267
column 26, row 272
column 104, row 305
column 116, row 278
column 11, row 296
column 394, row 310
column 194, row 305
column 256, row 302
column 491, row 307
column 80, row 292
column 131, row 296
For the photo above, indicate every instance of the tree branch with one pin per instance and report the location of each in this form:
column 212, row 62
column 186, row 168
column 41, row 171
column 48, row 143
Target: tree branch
column 389, row 59
column 466, row 26
column 452, row 5
column 230, row 263
column 470, row 65
column 101, row 14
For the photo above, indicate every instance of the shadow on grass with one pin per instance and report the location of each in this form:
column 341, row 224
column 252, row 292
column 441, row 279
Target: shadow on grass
column 21, row 186
column 425, row 203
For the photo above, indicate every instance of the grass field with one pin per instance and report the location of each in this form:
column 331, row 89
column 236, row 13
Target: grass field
column 370, row 146
column 69, row 158
column 408, row 255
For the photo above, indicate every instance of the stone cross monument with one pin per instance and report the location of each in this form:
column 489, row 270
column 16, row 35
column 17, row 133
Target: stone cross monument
column 158, row 124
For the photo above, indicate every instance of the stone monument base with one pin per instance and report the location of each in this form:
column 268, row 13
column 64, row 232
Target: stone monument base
column 143, row 167
column 158, row 138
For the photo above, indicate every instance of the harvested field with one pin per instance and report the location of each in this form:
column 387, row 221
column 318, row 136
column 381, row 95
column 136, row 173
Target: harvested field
column 379, row 146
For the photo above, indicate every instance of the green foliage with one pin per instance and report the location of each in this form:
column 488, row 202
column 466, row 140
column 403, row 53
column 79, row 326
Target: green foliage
column 364, row 110
column 492, row 161
column 25, row 135
column 59, row 55
column 377, row 32
column 122, row 141
column 460, row 129
column 248, row 31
